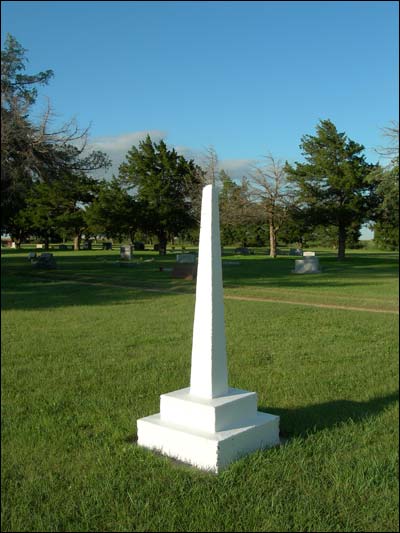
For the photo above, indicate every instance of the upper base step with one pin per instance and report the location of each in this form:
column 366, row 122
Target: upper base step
column 213, row 414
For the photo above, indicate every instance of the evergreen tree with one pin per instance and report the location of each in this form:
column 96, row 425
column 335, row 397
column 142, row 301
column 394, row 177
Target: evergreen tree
column 114, row 212
column 332, row 183
column 165, row 183
column 58, row 207
column 386, row 179
column 30, row 152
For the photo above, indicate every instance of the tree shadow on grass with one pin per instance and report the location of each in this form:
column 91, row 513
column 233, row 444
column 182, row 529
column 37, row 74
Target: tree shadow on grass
column 312, row 418
column 25, row 287
column 45, row 294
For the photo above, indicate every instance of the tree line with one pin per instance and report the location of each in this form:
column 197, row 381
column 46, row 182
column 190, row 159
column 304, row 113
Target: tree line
column 48, row 190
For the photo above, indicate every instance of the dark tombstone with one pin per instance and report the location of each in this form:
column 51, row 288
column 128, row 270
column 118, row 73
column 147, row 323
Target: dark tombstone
column 63, row 247
column 184, row 271
column 87, row 245
column 156, row 247
column 139, row 246
column 45, row 261
column 107, row 245
column 243, row 251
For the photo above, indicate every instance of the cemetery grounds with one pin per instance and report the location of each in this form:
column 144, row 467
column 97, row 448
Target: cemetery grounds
column 88, row 348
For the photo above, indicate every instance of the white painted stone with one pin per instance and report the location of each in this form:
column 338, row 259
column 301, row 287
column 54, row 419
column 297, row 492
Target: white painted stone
column 125, row 252
column 308, row 254
column 209, row 451
column 205, row 414
column 309, row 265
column 208, row 424
column 209, row 376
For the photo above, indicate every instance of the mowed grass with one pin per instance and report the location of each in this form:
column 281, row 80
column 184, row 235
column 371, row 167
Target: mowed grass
column 88, row 348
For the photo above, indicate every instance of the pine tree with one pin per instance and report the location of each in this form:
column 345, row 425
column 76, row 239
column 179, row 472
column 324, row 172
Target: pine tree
column 165, row 184
column 332, row 183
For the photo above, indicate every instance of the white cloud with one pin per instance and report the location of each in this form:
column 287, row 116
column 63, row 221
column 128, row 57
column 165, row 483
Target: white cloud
column 117, row 146
column 236, row 168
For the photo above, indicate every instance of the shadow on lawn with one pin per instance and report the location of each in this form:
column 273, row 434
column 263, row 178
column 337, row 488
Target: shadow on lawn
column 27, row 288
column 313, row 418
column 52, row 293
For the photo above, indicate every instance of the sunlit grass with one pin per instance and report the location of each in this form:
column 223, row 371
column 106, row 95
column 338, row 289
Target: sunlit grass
column 81, row 363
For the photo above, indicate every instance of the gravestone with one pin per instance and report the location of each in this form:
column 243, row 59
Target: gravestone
column 295, row 251
column 186, row 258
column 62, row 247
column 87, row 245
column 184, row 271
column 208, row 424
column 308, row 265
column 107, row 245
column 308, row 254
column 125, row 252
column 243, row 251
column 139, row 246
column 39, row 246
column 45, row 261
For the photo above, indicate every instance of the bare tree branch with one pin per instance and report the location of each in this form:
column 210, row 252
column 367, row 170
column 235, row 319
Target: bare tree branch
column 271, row 190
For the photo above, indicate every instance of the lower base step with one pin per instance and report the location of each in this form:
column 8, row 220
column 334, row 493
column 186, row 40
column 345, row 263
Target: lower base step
column 208, row 451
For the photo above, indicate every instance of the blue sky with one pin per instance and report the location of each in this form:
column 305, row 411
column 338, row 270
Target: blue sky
column 246, row 77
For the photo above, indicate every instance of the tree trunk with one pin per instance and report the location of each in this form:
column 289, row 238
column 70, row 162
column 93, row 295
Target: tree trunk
column 46, row 242
column 17, row 241
column 162, row 241
column 77, row 243
column 342, row 242
column 272, row 240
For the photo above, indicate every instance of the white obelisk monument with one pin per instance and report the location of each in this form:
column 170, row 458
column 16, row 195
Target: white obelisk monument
column 208, row 424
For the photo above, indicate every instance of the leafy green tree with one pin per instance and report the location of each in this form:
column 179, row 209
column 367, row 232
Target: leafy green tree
column 386, row 179
column 240, row 218
column 18, row 93
column 114, row 212
column 31, row 153
column 165, row 183
column 296, row 228
column 59, row 207
column 332, row 183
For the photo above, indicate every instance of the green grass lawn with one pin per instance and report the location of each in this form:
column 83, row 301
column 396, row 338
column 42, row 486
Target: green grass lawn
column 88, row 348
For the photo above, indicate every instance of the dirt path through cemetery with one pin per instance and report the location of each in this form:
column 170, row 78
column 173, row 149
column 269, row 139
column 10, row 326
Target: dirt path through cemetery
column 312, row 304
column 230, row 297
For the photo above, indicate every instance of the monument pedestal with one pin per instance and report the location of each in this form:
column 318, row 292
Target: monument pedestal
column 208, row 424
column 208, row 433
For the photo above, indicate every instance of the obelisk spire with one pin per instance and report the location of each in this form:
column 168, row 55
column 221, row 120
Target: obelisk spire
column 209, row 376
